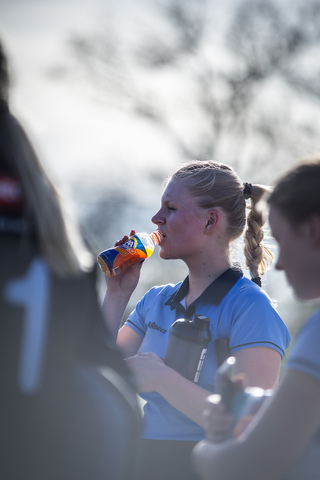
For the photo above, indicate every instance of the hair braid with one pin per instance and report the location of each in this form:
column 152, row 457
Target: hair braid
column 258, row 256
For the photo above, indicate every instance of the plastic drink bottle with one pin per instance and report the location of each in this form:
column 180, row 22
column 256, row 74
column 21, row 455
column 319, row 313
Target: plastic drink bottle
column 116, row 259
column 187, row 347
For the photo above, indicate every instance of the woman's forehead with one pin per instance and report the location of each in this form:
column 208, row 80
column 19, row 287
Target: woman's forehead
column 176, row 188
column 179, row 195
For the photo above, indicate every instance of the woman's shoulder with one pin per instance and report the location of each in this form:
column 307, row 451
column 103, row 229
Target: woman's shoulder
column 310, row 331
column 246, row 289
column 304, row 355
column 248, row 298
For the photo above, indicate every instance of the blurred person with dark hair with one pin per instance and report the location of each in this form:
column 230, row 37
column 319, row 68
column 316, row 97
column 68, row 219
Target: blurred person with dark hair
column 283, row 439
column 68, row 406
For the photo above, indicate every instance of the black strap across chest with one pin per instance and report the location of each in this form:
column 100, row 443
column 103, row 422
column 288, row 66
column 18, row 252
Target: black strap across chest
column 213, row 294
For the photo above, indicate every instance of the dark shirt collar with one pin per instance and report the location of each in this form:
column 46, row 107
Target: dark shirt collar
column 213, row 294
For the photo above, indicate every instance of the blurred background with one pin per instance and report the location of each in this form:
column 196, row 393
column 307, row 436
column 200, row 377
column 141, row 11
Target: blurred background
column 116, row 94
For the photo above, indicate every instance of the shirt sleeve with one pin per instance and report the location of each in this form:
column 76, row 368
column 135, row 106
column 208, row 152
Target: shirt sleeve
column 137, row 318
column 255, row 322
column 304, row 355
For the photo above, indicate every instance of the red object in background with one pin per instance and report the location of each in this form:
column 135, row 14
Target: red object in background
column 10, row 193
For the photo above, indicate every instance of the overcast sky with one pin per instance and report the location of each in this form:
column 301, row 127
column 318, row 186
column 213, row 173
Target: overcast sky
column 74, row 134
column 72, row 131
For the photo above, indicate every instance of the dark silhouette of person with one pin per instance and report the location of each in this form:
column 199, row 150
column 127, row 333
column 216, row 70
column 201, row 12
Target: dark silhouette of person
column 68, row 409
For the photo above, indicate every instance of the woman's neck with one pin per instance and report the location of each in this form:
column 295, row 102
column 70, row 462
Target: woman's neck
column 201, row 278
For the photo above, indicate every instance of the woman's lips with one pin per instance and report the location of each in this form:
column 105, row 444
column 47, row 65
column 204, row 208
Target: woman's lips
column 161, row 235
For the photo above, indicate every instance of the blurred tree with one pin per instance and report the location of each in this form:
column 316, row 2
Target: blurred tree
column 230, row 92
column 108, row 203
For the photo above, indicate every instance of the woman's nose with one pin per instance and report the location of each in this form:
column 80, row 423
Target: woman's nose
column 157, row 218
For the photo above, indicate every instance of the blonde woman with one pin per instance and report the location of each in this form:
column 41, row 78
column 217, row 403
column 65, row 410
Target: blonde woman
column 203, row 210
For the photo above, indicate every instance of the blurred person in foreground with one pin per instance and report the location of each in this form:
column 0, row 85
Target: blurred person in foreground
column 68, row 408
column 283, row 439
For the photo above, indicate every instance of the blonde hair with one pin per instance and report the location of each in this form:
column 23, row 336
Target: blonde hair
column 217, row 185
column 258, row 256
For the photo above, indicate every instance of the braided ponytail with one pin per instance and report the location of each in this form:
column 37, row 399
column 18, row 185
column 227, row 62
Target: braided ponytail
column 258, row 256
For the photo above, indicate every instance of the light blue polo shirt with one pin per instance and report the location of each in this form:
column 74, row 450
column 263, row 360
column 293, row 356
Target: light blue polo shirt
column 238, row 310
column 304, row 357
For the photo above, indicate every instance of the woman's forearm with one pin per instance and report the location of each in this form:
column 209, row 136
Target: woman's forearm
column 118, row 294
column 273, row 441
column 184, row 395
column 189, row 398
column 153, row 375
column 113, row 308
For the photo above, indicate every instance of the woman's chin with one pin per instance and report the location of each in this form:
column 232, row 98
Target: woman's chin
column 164, row 255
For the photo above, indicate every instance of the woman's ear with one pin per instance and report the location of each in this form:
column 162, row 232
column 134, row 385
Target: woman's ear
column 212, row 220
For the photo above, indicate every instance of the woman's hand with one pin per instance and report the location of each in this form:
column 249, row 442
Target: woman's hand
column 147, row 369
column 217, row 421
column 127, row 280
column 119, row 290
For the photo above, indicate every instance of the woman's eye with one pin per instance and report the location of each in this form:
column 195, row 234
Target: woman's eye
column 170, row 208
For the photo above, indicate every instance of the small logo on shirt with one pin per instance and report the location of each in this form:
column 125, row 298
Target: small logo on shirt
column 154, row 326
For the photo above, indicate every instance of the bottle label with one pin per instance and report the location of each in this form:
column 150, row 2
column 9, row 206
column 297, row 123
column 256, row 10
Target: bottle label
column 199, row 367
column 131, row 246
column 115, row 260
